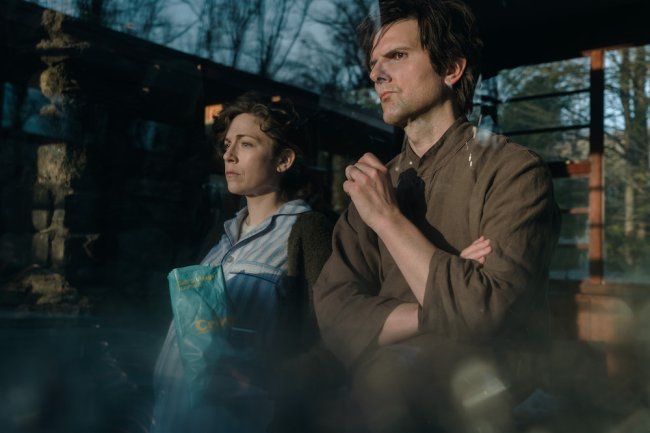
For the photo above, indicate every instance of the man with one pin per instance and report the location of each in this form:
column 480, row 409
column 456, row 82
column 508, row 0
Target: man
column 434, row 337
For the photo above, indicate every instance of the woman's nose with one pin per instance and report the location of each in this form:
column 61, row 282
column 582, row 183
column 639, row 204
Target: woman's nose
column 229, row 154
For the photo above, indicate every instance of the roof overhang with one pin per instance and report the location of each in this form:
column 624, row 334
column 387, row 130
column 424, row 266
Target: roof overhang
column 525, row 32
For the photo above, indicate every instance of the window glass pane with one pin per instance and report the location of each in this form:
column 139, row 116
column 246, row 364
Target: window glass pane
column 558, row 146
column 575, row 229
column 548, row 112
column 154, row 136
column 564, row 76
column 537, row 96
column 569, row 263
column 627, row 166
column 21, row 110
column 571, row 192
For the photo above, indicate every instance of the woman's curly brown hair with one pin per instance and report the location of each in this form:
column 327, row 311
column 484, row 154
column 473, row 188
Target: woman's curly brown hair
column 278, row 119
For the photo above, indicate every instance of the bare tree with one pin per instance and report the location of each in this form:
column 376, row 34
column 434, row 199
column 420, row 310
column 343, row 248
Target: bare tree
column 279, row 25
column 221, row 28
column 628, row 147
column 143, row 18
column 256, row 35
column 339, row 60
column 100, row 12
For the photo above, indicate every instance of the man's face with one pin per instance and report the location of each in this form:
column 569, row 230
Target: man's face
column 407, row 85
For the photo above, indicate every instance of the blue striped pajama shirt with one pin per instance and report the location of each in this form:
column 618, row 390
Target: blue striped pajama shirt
column 253, row 267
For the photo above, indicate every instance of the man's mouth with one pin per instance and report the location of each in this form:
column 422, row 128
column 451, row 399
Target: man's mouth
column 385, row 95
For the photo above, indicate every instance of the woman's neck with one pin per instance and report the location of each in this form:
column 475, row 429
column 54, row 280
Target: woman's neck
column 262, row 206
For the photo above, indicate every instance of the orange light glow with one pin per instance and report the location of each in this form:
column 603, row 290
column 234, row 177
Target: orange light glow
column 211, row 111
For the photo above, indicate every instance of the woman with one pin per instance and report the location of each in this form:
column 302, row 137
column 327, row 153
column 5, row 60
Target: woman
column 268, row 272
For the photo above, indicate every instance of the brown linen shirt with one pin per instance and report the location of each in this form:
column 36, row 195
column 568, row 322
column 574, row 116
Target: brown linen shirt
column 468, row 184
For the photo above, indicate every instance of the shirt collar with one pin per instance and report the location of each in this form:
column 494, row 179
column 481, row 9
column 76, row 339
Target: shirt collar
column 454, row 138
column 293, row 207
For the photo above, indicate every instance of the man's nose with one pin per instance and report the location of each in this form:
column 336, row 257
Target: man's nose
column 378, row 73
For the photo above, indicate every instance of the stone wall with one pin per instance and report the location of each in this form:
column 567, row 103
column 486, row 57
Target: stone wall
column 81, row 232
column 96, row 208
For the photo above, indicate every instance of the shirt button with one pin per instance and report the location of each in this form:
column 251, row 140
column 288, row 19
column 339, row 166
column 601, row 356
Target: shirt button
column 230, row 259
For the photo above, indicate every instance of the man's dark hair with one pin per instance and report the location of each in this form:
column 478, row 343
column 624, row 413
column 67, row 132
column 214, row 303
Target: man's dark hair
column 448, row 32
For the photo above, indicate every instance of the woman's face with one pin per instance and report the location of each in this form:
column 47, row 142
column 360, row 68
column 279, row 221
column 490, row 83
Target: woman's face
column 251, row 167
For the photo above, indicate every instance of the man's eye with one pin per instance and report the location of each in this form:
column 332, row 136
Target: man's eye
column 399, row 55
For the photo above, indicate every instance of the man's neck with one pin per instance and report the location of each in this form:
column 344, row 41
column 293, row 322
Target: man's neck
column 424, row 131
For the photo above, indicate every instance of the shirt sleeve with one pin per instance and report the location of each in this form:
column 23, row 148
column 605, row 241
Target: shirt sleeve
column 348, row 307
column 517, row 211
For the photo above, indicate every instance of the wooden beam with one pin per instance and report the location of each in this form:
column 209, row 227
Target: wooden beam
column 561, row 169
column 596, row 178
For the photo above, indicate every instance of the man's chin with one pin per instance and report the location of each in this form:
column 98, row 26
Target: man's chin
column 394, row 120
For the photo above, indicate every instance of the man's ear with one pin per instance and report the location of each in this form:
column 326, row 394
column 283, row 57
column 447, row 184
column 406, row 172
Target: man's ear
column 285, row 160
column 455, row 71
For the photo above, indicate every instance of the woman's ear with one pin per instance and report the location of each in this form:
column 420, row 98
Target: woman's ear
column 285, row 160
column 455, row 71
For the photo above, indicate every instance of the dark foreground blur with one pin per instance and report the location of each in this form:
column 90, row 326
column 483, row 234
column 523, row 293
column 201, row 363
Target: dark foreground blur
column 85, row 374
column 72, row 374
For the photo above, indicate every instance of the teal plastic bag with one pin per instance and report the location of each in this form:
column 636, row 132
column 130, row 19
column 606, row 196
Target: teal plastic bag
column 203, row 318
